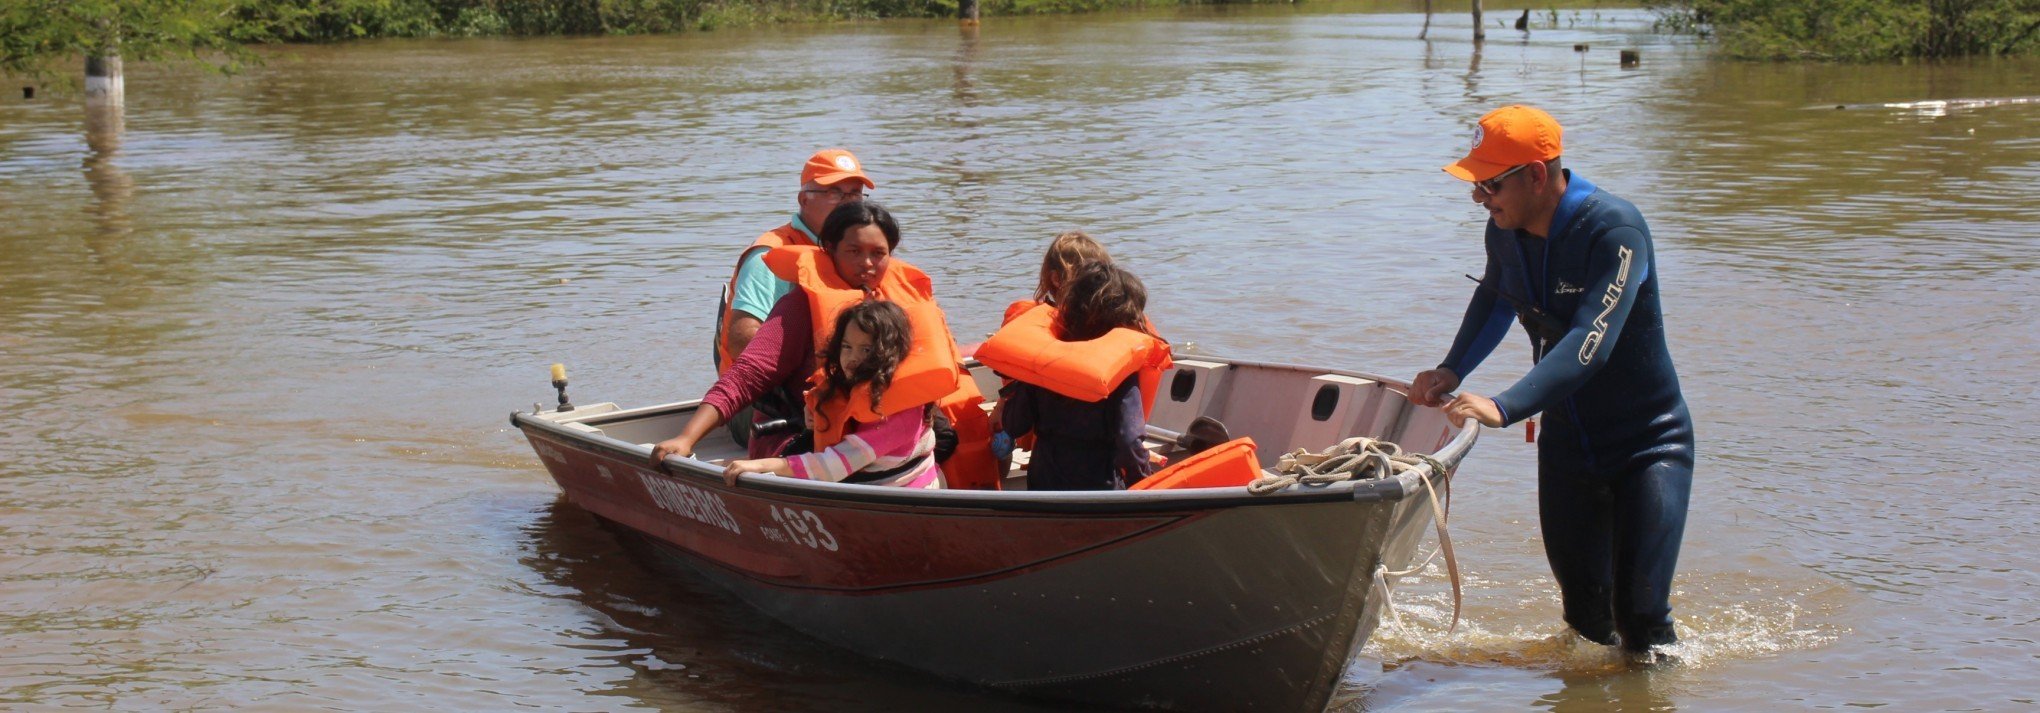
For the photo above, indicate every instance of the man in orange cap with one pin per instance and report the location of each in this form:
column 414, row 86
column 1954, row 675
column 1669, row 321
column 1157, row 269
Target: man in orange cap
column 831, row 177
column 1574, row 264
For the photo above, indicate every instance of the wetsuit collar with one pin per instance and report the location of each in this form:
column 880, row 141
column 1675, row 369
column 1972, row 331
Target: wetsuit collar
column 1576, row 191
column 801, row 226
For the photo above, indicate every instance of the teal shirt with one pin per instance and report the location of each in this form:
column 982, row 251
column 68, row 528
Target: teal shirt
column 757, row 288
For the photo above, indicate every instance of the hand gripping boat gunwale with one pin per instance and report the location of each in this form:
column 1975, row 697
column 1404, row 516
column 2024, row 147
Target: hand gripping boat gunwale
column 1205, row 599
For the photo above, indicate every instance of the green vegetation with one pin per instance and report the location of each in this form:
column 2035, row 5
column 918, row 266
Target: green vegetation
column 1859, row 30
column 36, row 33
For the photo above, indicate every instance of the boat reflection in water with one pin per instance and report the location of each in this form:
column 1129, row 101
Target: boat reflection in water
column 1152, row 599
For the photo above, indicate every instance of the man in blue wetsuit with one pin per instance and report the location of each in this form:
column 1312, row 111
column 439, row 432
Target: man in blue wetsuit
column 1574, row 264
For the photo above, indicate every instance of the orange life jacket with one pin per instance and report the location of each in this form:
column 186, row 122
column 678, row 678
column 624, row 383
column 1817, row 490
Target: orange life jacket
column 932, row 371
column 1019, row 307
column 1013, row 312
column 972, row 466
column 1028, row 349
column 1228, row 464
column 775, row 238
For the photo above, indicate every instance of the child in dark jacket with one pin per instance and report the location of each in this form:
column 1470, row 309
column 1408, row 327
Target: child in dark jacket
column 1083, row 445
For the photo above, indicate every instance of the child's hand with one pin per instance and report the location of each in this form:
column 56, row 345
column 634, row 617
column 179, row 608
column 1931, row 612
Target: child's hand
column 736, row 468
column 777, row 466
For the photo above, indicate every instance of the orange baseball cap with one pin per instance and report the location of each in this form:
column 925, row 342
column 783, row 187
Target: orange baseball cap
column 1506, row 138
column 829, row 167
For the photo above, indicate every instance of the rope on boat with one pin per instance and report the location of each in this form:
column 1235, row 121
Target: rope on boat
column 1364, row 458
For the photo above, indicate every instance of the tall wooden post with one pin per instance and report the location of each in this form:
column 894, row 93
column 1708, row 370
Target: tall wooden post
column 103, row 83
column 113, row 188
column 1479, row 26
column 1426, row 32
column 967, row 12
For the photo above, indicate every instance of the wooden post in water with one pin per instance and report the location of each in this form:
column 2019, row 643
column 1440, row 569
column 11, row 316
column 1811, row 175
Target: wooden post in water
column 967, row 12
column 103, row 83
column 1479, row 26
column 1426, row 32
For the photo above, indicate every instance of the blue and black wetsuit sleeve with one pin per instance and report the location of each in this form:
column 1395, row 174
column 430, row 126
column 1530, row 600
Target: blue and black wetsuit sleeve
column 1617, row 265
column 1486, row 322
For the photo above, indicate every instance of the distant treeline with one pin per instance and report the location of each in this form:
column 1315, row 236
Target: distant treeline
column 1859, row 30
column 37, row 36
column 329, row 20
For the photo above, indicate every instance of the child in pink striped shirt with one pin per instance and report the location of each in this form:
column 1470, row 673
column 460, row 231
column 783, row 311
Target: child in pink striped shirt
column 869, row 341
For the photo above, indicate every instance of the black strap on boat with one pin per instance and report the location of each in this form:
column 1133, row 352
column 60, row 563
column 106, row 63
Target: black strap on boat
column 870, row 476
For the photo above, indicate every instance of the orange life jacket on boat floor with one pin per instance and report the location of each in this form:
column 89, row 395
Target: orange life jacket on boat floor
column 1228, row 464
column 931, row 372
column 1027, row 348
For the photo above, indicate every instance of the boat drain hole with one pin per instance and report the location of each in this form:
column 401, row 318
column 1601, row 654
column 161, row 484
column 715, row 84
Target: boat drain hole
column 1327, row 399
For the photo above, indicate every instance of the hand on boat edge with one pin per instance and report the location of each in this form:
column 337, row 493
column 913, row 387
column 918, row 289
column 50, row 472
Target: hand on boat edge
column 675, row 446
column 1475, row 406
column 736, row 468
column 1431, row 387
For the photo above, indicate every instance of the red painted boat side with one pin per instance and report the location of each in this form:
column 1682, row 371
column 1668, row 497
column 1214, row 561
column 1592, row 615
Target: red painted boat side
column 828, row 545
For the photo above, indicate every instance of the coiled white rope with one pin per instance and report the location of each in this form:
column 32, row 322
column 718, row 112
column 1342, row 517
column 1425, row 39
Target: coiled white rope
column 1364, row 458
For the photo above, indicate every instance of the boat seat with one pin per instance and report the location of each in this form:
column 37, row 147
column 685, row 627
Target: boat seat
column 1191, row 389
column 1202, row 434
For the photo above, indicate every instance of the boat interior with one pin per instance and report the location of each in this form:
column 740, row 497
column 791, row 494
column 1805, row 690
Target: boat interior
column 1281, row 407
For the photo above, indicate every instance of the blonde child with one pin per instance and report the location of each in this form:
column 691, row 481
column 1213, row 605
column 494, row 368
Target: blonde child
column 1066, row 253
column 1085, row 445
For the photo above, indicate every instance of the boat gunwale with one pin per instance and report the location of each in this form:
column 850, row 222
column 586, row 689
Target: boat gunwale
column 1095, row 502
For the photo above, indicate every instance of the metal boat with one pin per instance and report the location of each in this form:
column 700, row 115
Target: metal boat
column 1211, row 599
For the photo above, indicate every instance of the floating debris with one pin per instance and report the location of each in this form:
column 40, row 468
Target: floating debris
column 1943, row 107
